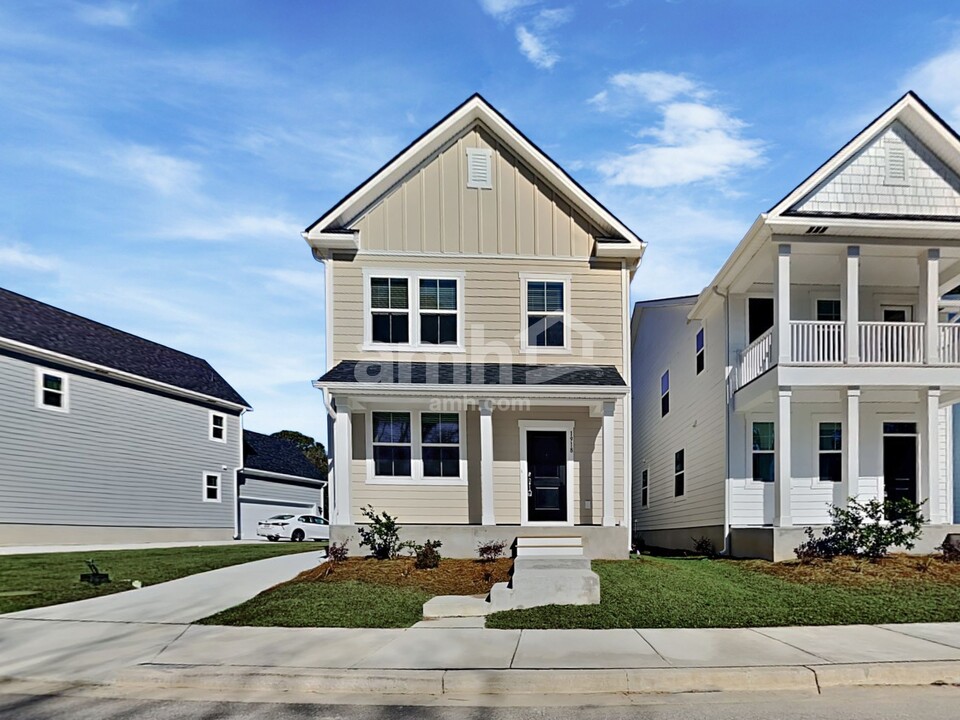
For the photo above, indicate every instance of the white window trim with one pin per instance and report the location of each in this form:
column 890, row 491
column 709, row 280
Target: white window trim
column 751, row 419
column 525, row 345
column 416, row 476
column 526, row 426
column 645, row 472
column 203, row 486
column 413, row 278
column 816, row 482
column 64, row 393
column 697, row 353
column 212, row 415
column 662, row 393
column 674, row 473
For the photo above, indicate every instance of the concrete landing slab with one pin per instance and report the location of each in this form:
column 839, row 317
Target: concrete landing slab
column 275, row 647
column 454, row 622
column 544, row 649
column 452, row 606
column 860, row 644
column 446, row 649
column 722, row 647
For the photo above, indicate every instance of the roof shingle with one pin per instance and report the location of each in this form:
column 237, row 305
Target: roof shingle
column 276, row 455
column 424, row 373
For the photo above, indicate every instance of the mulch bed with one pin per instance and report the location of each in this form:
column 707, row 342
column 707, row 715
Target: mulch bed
column 453, row 577
column 852, row 571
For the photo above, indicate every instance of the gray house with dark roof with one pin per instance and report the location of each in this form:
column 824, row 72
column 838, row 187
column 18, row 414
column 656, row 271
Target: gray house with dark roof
column 108, row 437
column 276, row 478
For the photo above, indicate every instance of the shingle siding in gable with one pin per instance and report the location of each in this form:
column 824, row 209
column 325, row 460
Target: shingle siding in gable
column 120, row 457
column 930, row 187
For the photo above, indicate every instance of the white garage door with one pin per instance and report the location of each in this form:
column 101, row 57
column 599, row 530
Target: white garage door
column 253, row 510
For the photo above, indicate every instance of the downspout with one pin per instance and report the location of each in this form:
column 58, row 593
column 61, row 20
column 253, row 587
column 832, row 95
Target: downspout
column 726, row 420
column 236, row 480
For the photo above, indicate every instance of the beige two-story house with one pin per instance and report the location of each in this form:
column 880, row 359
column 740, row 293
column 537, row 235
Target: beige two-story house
column 477, row 344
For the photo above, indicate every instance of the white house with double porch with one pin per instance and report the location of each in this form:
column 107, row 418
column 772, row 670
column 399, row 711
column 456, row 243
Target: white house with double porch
column 819, row 364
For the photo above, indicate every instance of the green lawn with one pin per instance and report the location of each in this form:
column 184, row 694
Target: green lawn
column 656, row 592
column 28, row 581
column 349, row 604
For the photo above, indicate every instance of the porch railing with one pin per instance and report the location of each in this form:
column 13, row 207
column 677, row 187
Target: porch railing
column 950, row 343
column 755, row 359
column 891, row 343
column 816, row 342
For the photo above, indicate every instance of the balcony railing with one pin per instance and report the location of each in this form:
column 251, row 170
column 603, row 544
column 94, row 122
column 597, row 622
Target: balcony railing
column 755, row 359
column 817, row 342
column 949, row 344
column 889, row 343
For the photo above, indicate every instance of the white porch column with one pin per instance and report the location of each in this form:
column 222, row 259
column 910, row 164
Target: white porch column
column 849, row 485
column 781, row 305
column 930, row 304
column 851, row 304
column 342, row 439
column 930, row 457
column 782, row 516
column 609, row 519
column 486, row 463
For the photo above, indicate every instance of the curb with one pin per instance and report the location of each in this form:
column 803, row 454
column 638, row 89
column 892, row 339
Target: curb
column 812, row 678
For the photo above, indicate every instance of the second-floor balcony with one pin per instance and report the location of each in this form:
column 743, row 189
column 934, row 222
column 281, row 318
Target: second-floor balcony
column 817, row 342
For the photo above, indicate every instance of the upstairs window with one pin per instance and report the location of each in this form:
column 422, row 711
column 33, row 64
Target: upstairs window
column 830, row 451
column 546, row 314
column 52, row 390
column 390, row 310
column 665, row 393
column 438, row 312
column 218, row 427
column 701, row 352
column 828, row 310
column 679, row 484
column 763, row 444
column 645, row 488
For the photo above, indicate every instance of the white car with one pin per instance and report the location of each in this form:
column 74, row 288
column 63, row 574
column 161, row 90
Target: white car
column 294, row 527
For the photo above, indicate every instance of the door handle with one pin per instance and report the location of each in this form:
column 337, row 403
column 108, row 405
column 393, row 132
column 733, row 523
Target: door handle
column 529, row 484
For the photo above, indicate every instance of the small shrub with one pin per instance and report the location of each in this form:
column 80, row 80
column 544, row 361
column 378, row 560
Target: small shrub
column 427, row 555
column 704, row 546
column 491, row 550
column 337, row 552
column 382, row 535
column 949, row 551
column 865, row 530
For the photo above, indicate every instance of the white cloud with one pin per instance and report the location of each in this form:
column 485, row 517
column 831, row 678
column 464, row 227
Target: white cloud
column 230, row 227
column 535, row 49
column 694, row 141
column 936, row 82
column 20, row 257
column 294, row 281
column 107, row 15
column 503, row 9
column 164, row 173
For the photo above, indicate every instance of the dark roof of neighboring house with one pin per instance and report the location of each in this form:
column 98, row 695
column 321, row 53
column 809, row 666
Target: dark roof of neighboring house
column 276, row 455
column 32, row 322
column 424, row 373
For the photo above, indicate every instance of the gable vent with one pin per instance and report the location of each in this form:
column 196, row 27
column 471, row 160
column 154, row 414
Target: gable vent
column 816, row 230
column 479, row 168
column 896, row 163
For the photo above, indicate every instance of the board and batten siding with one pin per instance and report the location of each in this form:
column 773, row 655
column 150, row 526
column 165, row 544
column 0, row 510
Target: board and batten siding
column 432, row 210
column 492, row 314
column 121, row 457
column 460, row 504
column 696, row 423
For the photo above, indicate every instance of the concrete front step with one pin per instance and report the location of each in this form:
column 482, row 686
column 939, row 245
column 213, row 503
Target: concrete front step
column 562, row 546
column 456, row 606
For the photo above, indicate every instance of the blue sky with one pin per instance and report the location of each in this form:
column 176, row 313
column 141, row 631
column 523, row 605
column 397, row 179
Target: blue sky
column 158, row 159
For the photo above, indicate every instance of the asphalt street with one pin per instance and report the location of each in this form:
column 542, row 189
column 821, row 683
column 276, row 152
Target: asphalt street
column 929, row 703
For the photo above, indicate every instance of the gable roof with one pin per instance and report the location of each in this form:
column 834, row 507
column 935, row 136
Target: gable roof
column 32, row 323
column 332, row 229
column 277, row 455
column 909, row 112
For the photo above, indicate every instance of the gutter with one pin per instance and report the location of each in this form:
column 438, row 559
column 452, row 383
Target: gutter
column 558, row 391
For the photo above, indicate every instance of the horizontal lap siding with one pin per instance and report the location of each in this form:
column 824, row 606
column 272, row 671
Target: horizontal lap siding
column 492, row 313
column 276, row 490
column 120, row 456
column 696, row 422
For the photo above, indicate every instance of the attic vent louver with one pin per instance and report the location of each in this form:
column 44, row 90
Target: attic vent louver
column 896, row 163
column 816, row 230
column 479, row 168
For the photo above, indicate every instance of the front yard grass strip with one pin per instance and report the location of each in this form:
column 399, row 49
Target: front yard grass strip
column 29, row 581
column 655, row 592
